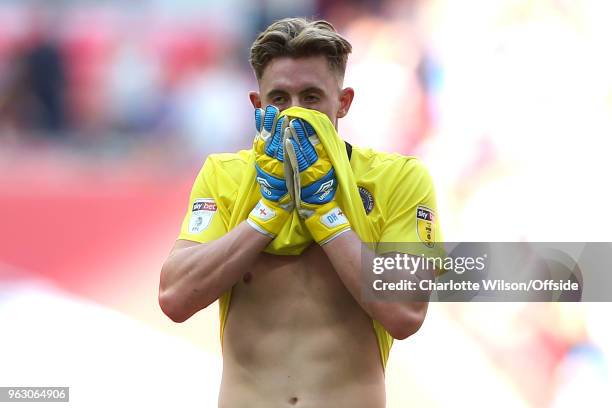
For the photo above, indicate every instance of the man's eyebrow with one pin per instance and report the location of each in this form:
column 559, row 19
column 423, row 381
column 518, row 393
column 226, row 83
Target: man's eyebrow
column 274, row 92
column 309, row 89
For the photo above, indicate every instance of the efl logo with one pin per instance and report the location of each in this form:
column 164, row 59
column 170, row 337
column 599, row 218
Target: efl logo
column 202, row 212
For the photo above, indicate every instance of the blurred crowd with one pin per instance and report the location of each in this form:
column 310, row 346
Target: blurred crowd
column 97, row 73
column 502, row 99
column 91, row 73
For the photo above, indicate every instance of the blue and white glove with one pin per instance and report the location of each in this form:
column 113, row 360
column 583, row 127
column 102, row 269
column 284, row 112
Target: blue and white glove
column 314, row 183
column 275, row 206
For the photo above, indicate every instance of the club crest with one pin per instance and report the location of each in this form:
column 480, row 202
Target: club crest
column 367, row 199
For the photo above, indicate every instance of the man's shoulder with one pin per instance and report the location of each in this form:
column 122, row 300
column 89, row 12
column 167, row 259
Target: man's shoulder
column 367, row 161
column 228, row 161
column 224, row 171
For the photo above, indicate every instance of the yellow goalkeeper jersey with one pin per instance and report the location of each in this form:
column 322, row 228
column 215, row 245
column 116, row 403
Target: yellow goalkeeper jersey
column 396, row 192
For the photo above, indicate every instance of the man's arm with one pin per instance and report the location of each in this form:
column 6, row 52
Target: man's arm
column 195, row 275
column 400, row 319
column 330, row 228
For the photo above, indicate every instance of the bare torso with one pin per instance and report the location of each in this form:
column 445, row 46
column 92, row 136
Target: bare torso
column 296, row 338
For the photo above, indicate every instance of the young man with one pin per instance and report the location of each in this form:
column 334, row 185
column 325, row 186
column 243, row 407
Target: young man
column 296, row 330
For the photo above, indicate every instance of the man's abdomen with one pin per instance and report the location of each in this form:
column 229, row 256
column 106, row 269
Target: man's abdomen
column 296, row 337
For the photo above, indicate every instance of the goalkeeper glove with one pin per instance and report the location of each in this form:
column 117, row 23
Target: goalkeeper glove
column 314, row 183
column 275, row 206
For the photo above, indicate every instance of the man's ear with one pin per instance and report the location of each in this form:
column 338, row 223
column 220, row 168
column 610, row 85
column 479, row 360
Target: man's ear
column 346, row 99
column 255, row 99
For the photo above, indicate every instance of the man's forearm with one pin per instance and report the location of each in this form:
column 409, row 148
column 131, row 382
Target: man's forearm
column 401, row 319
column 194, row 277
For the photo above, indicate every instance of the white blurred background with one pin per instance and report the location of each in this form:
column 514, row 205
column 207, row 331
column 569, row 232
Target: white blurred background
column 107, row 110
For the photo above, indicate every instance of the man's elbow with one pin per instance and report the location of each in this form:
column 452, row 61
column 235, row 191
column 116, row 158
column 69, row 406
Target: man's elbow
column 406, row 323
column 171, row 307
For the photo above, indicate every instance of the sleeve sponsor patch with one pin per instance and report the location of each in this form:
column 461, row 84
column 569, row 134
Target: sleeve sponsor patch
column 425, row 225
column 202, row 212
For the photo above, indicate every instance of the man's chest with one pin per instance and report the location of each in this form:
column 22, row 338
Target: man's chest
column 281, row 288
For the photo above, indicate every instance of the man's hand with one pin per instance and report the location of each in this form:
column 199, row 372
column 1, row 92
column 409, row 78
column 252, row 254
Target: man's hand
column 275, row 206
column 313, row 191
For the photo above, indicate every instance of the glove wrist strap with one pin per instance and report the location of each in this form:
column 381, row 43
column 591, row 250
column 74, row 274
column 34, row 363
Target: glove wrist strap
column 268, row 219
column 327, row 223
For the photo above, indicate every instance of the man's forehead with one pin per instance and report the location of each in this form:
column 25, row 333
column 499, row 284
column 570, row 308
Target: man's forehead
column 296, row 74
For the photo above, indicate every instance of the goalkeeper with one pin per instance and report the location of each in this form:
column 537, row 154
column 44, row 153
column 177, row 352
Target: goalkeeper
column 275, row 234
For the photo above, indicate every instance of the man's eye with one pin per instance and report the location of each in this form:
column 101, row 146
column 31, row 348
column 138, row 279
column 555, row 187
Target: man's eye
column 278, row 100
column 311, row 99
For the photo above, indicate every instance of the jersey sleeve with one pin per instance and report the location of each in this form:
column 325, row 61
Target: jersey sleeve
column 411, row 220
column 207, row 214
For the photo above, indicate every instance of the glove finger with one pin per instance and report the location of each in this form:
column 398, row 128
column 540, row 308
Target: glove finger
column 264, row 121
column 274, row 147
column 258, row 119
column 292, row 175
column 297, row 188
column 290, row 149
column 270, row 114
column 303, row 132
column 301, row 162
column 288, row 170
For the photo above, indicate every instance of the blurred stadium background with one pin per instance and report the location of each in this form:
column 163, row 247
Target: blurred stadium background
column 107, row 110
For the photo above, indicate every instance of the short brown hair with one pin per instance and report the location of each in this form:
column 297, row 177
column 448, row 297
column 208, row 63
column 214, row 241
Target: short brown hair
column 299, row 37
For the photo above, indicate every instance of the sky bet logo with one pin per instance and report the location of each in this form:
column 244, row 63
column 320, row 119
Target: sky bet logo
column 202, row 212
column 204, row 206
column 425, row 215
